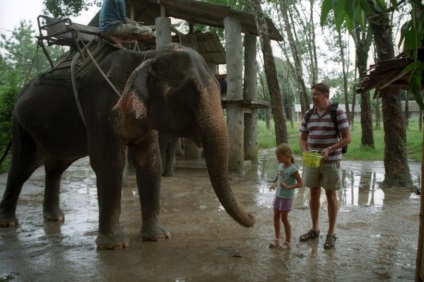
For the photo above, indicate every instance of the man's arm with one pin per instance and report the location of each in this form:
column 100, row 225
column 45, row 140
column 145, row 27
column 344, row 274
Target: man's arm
column 344, row 141
column 120, row 4
column 303, row 141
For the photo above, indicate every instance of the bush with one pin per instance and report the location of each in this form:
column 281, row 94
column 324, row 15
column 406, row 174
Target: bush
column 414, row 143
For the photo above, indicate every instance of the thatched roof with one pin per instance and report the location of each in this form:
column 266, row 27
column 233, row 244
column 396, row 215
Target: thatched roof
column 387, row 73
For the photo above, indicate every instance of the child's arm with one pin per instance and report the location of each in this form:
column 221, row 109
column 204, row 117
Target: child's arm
column 299, row 181
column 273, row 186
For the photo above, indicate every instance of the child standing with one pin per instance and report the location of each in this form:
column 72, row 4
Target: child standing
column 288, row 179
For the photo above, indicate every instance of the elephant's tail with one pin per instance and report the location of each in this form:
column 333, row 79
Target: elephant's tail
column 6, row 151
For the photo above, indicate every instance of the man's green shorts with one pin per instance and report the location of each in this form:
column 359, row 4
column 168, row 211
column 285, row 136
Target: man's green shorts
column 327, row 176
column 128, row 29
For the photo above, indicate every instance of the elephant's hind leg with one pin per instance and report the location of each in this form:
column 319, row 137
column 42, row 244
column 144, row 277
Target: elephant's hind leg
column 15, row 181
column 54, row 170
column 23, row 163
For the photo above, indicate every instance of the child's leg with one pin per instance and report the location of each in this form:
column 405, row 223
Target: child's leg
column 276, row 243
column 277, row 223
column 286, row 223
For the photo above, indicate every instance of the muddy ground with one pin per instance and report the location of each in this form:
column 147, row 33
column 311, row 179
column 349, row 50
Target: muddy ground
column 377, row 232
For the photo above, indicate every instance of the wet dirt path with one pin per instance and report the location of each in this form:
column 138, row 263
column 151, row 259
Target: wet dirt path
column 377, row 232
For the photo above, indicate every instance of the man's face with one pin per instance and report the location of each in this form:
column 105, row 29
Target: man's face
column 318, row 97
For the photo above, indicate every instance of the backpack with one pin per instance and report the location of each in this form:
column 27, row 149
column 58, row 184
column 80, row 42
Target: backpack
column 333, row 113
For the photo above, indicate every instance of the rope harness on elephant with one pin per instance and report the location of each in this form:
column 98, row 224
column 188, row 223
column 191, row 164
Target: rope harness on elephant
column 69, row 69
column 74, row 83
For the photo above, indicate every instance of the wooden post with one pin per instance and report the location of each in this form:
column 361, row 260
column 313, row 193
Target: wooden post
column 132, row 9
column 250, row 94
column 235, row 115
column 163, row 30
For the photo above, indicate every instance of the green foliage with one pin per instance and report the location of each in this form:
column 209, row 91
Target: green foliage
column 17, row 66
column 266, row 137
column 8, row 93
column 412, row 35
column 65, row 8
column 414, row 141
column 239, row 5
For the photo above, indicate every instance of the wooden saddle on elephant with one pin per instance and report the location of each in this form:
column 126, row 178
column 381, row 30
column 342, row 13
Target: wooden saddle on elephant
column 81, row 39
column 64, row 32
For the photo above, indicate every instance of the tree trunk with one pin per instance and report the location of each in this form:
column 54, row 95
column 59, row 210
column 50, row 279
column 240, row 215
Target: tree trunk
column 271, row 76
column 377, row 113
column 313, row 45
column 353, row 104
column 395, row 155
column 396, row 166
column 304, row 101
column 406, row 111
column 264, row 99
column 362, row 39
column 344, row 70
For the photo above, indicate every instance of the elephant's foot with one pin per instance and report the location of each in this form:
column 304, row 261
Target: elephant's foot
column 8, row 221
column 168, row 174
column 154, row 233
column 112, row 242
column 54, row 215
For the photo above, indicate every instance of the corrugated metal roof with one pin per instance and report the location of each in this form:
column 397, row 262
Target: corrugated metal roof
column 196, row 12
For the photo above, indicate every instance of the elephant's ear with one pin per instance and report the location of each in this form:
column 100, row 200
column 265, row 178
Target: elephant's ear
column 135, row 97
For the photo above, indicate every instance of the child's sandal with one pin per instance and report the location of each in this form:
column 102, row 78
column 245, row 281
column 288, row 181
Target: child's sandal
column 285, row 245
column 275, row 244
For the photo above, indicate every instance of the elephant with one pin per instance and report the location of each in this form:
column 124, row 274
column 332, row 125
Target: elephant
column 170, row 90
column 168, row 147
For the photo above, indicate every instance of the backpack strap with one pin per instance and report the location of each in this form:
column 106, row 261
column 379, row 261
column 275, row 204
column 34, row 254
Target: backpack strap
column 333, row 112
column 334, row 115
column 308, row 114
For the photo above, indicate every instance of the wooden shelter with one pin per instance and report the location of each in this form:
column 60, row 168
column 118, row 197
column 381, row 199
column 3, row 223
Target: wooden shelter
column 241, row 102
column 389, row 73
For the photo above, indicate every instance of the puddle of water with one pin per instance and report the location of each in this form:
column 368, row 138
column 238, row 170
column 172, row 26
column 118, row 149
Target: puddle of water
column 206, row 246
column 360, row 184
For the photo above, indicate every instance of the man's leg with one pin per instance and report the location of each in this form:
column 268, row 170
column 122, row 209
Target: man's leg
column 117, row 41
column 311, row 177
column 333, row 208
column 314, row 205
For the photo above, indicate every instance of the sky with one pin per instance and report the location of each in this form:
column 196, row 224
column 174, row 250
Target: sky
column 13, row 11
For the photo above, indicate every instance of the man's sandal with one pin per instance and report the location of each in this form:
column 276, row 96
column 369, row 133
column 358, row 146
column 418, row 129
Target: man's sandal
column 330, row 242
column 312, row 234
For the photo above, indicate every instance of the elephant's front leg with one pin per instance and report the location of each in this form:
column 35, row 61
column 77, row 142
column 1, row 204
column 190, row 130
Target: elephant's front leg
column 147, row 164
column 108, row 166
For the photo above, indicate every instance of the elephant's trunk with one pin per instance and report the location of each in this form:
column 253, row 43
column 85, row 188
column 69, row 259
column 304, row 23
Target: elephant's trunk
column 216, row 150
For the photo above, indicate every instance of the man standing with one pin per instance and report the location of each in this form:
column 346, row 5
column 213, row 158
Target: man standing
column 116, row 27
column 318, row 132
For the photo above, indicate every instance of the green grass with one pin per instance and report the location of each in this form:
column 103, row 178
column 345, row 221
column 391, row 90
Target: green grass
column 266, row 139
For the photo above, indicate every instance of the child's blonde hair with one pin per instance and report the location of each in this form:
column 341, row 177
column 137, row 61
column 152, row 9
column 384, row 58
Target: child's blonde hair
column 284, row 149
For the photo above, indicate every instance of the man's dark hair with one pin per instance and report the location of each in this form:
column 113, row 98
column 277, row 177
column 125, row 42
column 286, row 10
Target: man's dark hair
column 322, row 87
